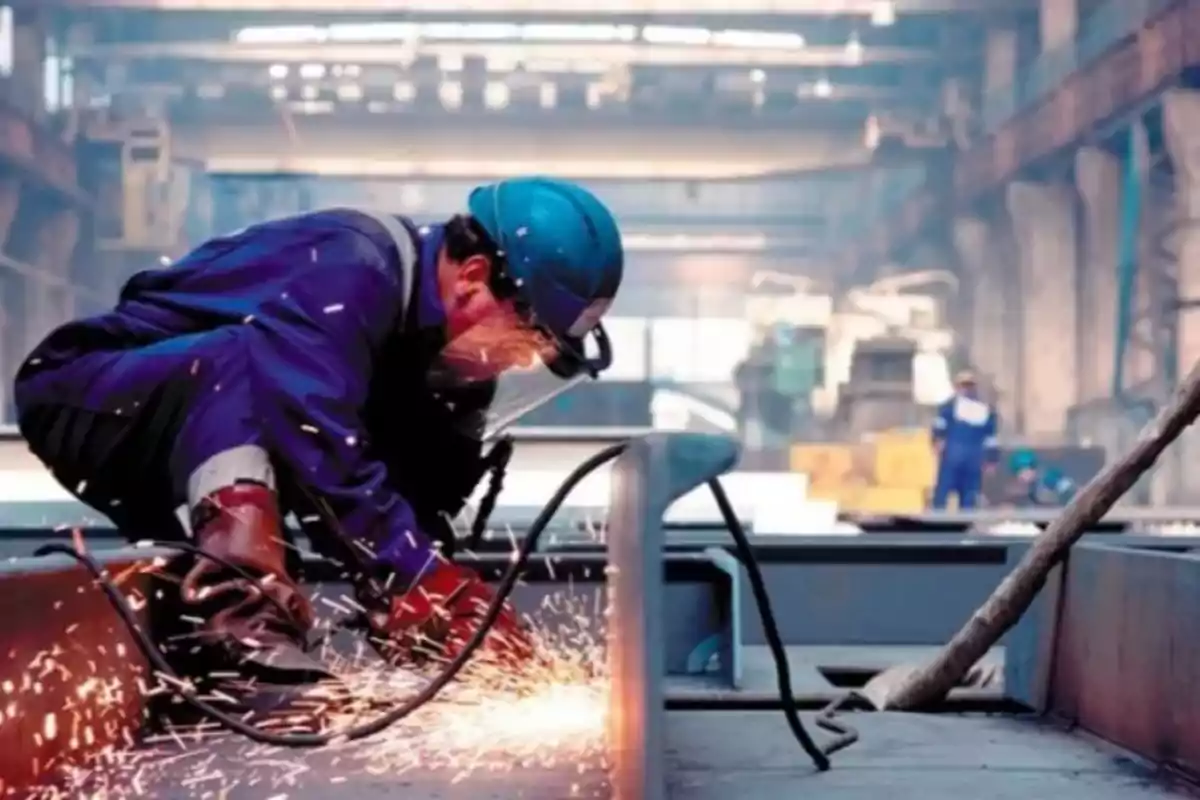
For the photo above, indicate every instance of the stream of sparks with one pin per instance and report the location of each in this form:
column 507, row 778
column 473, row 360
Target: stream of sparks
column 549, row 718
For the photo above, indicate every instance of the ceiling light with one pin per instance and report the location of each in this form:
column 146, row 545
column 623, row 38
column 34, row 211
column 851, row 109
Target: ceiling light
column 757, row 75
column 451, row 95
column 404, row 92
column 823, row 88
column 872, row 132
column 278, row 71
column 495, row 95
column 883, row 14
column 854, row 49
column 548, row 95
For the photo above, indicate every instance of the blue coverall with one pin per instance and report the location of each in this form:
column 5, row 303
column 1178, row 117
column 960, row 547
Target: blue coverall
column 292, row 336
column 965, row 431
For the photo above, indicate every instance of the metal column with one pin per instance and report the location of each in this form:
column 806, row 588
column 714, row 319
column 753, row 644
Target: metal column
column 652, row 473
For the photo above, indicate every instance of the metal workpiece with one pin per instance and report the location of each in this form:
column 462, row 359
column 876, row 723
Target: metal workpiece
column 1126, row 665
column 651, row 473
column 69, row 669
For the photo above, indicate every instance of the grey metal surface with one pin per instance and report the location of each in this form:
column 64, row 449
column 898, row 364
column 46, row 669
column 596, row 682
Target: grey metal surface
column 722, row 755
column 1031, row 643
column 816, row 670
column 882, row 589
column 1127, row 664
column 887, row 593
column 651, row 473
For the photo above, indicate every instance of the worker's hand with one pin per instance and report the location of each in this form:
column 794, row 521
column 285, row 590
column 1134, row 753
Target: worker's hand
column 439, row 615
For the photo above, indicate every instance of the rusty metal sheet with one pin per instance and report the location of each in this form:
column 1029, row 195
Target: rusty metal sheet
column 1127, row 660
column 652, row 473
column 69, row 669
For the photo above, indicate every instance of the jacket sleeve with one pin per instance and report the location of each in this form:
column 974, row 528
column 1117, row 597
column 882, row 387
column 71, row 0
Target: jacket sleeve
column 941, row 422
column 447, row 430
column 318, row 342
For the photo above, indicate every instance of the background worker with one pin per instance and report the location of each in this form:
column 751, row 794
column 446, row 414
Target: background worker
column 964, row 435
column 1033, row 485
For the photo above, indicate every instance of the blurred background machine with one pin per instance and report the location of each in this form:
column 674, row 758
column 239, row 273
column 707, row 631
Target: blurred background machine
column 846, row 385
column 819, row 221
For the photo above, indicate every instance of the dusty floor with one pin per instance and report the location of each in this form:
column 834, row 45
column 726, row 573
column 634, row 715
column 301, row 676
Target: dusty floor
column 725, row 755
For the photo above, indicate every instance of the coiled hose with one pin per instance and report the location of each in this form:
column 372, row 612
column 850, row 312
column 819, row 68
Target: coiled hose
column 234, row 723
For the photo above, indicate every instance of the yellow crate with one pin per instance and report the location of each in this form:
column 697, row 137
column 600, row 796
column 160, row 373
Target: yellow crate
column 900, row 436
column 886, row 500
column 824, row 464
column 904, row 465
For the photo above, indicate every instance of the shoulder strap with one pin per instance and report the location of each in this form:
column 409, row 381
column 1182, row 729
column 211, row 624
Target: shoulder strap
column 406, row 247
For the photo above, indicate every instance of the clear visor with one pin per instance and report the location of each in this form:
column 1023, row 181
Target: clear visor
column 514, row 354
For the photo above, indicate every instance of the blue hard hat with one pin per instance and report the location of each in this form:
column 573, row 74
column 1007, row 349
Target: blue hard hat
column 560, row 247
column 1022, row 460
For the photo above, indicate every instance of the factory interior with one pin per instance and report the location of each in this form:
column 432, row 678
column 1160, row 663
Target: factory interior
column 838, row 216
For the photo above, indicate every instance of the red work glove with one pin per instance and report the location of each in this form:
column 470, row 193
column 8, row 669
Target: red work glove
column 439, row 615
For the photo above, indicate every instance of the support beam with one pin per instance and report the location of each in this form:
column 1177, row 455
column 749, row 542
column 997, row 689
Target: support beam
column 651, row 474
column 613, row 55
column 551, row 8
column 1000, row 59
column 1181, row 124
column 1043, row 218
column 993, row 298
column 1058, row 22
column 1098, row 180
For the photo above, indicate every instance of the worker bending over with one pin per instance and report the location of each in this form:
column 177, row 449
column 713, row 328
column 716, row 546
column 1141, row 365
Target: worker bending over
column 340, row 365
column 964, row 434
column 1031, row 484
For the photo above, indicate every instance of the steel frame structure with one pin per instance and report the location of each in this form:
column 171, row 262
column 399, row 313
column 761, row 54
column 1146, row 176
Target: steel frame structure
column 651, row 474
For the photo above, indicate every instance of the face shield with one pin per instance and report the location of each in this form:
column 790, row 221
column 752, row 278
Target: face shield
column 513, row 365
column 556, row 264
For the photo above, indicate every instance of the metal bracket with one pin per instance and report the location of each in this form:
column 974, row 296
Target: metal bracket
column 652, row 473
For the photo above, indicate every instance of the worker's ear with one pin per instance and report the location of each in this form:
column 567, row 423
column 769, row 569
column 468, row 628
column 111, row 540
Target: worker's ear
column 472, row 280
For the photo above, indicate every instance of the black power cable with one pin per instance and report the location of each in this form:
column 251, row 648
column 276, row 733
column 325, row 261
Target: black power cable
column 783, row 672
column 237, row 725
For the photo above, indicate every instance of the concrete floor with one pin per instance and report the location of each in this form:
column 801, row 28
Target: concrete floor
column 751, row 756
column 720, row 755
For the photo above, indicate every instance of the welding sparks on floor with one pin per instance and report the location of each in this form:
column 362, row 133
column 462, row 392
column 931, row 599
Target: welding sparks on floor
column 491, row 722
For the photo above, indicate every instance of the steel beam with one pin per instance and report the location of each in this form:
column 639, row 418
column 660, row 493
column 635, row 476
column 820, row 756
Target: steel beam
column 612, row 54
column 652, row 473
column 554, row 8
